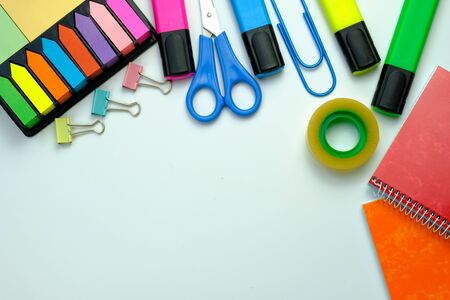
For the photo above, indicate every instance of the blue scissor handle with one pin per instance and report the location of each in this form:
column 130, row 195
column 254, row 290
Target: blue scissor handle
column 234, row 73
column 205, row 78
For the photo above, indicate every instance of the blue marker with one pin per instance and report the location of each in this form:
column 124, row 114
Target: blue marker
column 63, row 64
column 259, row 37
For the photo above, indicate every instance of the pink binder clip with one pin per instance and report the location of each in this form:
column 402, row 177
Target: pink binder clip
column 134, row 75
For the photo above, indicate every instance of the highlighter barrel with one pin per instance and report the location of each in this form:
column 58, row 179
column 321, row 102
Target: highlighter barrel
column 259, row 37
column 403, row 57
column 352, row 34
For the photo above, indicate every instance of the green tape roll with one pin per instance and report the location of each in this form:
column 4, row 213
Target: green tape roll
column 347, row 111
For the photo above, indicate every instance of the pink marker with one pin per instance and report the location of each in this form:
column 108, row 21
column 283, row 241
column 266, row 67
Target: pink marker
column 174, row 38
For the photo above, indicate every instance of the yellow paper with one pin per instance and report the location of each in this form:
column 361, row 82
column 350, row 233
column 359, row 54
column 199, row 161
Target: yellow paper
column 34, row 17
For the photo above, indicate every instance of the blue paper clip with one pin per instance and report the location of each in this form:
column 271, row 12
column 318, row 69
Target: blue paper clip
column 298, row 62
column 100, row 105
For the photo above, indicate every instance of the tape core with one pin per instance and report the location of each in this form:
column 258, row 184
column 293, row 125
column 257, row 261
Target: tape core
column 343, row 117
column 348, row 111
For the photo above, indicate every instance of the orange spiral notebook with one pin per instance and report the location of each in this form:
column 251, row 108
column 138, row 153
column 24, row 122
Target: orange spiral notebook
column 415, row 262
column 414, row 175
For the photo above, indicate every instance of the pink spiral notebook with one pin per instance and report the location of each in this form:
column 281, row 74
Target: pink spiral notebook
column 414, row 175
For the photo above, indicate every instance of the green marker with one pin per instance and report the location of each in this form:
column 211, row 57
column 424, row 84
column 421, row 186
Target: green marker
column 403, row 57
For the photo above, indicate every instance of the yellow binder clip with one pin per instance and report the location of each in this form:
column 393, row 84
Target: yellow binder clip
column 65, row 134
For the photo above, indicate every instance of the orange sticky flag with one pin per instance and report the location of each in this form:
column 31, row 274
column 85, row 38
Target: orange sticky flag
column 48, row 76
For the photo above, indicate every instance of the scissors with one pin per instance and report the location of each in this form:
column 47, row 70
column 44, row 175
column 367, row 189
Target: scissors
column 233, row 72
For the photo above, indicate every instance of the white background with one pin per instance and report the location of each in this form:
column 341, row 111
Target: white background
column 162, row 207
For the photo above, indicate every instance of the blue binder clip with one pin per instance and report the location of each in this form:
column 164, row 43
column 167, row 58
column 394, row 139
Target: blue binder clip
column 298, row 62
column 101, row 104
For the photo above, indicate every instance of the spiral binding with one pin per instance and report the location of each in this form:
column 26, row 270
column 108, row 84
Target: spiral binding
column 415, row 211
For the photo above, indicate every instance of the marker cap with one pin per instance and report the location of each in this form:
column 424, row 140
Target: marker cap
column 392, row 90
column 176, row 54
column 259, row 37
column 358, row 48
column 263, row 50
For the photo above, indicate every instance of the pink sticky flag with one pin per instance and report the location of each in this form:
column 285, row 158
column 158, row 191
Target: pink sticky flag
column 111, row 28
column 130, row 19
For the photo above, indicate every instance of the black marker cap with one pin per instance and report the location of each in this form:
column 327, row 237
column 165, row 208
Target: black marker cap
column 263, row 50
column 392, row 90
column 176, row 53
column 358, row 48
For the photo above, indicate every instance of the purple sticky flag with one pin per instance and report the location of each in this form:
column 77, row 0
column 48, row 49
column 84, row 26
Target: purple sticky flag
column 95, row 39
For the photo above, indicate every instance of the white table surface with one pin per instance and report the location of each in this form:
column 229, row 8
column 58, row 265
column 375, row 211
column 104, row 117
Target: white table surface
column 162, row 207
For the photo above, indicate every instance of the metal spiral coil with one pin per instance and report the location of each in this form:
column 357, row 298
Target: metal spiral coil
column 415, row 211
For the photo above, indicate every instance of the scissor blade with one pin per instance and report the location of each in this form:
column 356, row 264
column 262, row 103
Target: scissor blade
column 210, row 19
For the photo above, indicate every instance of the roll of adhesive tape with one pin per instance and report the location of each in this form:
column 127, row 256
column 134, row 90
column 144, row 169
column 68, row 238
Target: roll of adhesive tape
column 343, row 111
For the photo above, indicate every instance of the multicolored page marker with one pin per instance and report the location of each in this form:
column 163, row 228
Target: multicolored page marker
column 68, row 59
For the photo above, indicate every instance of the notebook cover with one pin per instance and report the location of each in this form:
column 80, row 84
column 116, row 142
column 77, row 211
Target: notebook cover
column 418, row 162
column 415, row 262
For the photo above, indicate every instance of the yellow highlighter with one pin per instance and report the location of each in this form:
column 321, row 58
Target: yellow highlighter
column 352, row 34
